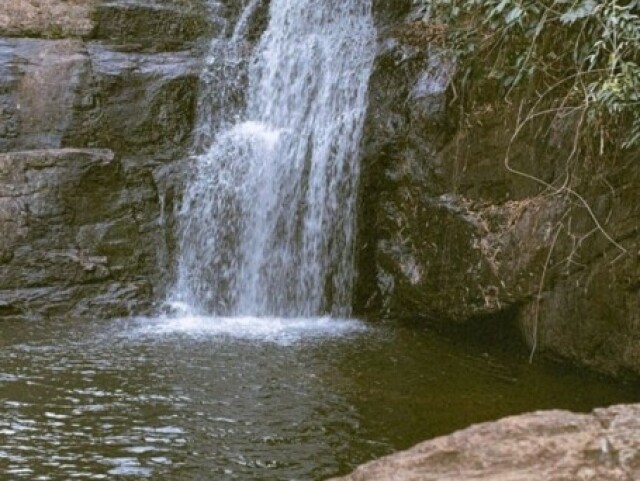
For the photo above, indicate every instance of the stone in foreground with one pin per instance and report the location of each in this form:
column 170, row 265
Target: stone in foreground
column 542, row 446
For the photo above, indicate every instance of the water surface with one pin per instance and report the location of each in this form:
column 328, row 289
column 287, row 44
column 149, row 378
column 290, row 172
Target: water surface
column 248, row 399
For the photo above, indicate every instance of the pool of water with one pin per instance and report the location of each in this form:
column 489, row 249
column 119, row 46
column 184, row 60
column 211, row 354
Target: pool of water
column 251, row 399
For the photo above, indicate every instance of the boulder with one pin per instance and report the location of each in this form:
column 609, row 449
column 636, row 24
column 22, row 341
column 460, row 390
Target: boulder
column 541, row 446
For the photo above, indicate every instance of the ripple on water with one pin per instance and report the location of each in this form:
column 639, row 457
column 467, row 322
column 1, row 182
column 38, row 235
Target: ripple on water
column 128, row 467
column 178, row 400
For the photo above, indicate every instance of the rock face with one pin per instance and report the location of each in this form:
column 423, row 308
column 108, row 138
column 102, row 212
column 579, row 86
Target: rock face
column 46, row 18
column 97, row 103
column 97, row 113
column 154, row 25
column 543, row 446
column 151, row 24
column 449, row 232
column 74, row 238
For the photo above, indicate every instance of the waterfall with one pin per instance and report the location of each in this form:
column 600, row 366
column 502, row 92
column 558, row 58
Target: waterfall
column 268, row 218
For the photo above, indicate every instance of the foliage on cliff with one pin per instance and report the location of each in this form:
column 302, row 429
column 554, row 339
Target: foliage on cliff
column 574, row 58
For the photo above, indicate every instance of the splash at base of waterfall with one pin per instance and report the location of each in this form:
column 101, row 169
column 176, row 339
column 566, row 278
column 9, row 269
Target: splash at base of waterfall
column 282, row 331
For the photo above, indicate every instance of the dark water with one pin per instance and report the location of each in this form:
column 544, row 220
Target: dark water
column 250, row 400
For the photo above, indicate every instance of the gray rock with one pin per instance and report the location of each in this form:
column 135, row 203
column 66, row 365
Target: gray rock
column 136, row 103
column 47, row 18
column 72, row 241
column 154, row 25
column 67, row 93
column 39, row 85
column 87, row 231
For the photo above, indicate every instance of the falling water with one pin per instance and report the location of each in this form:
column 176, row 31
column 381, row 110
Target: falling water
column 268, row 219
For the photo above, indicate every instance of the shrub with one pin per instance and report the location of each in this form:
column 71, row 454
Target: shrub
column 568, row 55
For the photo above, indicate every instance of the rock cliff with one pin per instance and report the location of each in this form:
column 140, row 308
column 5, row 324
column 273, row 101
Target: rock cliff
column 461, row 220
column 74, row 239
column 97, row 102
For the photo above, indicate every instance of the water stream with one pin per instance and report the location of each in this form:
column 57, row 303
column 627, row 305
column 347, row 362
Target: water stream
column 268, row 218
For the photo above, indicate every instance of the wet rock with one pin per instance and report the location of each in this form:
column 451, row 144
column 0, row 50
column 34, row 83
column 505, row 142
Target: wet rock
column 388, row 12
column 118, row 75
column 67, row 93
column 543, row 446
column 589, row 304
column 417, row 241
column 109, row 258
column 72, row 240
column 39, row 85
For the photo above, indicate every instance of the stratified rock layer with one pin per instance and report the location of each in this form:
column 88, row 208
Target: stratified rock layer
column 542, row 446
column 97, row 105
column 73, row 238
column 47, row 18
column 151, row 24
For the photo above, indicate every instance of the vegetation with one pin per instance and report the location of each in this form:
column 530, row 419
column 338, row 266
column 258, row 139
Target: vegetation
column 576, row 57
column 569, row 63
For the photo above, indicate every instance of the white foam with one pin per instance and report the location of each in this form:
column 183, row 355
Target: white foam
column 258, row 131
column 269, row 329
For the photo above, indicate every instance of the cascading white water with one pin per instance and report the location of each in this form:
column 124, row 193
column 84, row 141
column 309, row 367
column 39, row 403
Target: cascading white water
column 267, row 225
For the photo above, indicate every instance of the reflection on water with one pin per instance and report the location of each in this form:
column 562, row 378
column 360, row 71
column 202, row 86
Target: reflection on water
column 197, row 399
